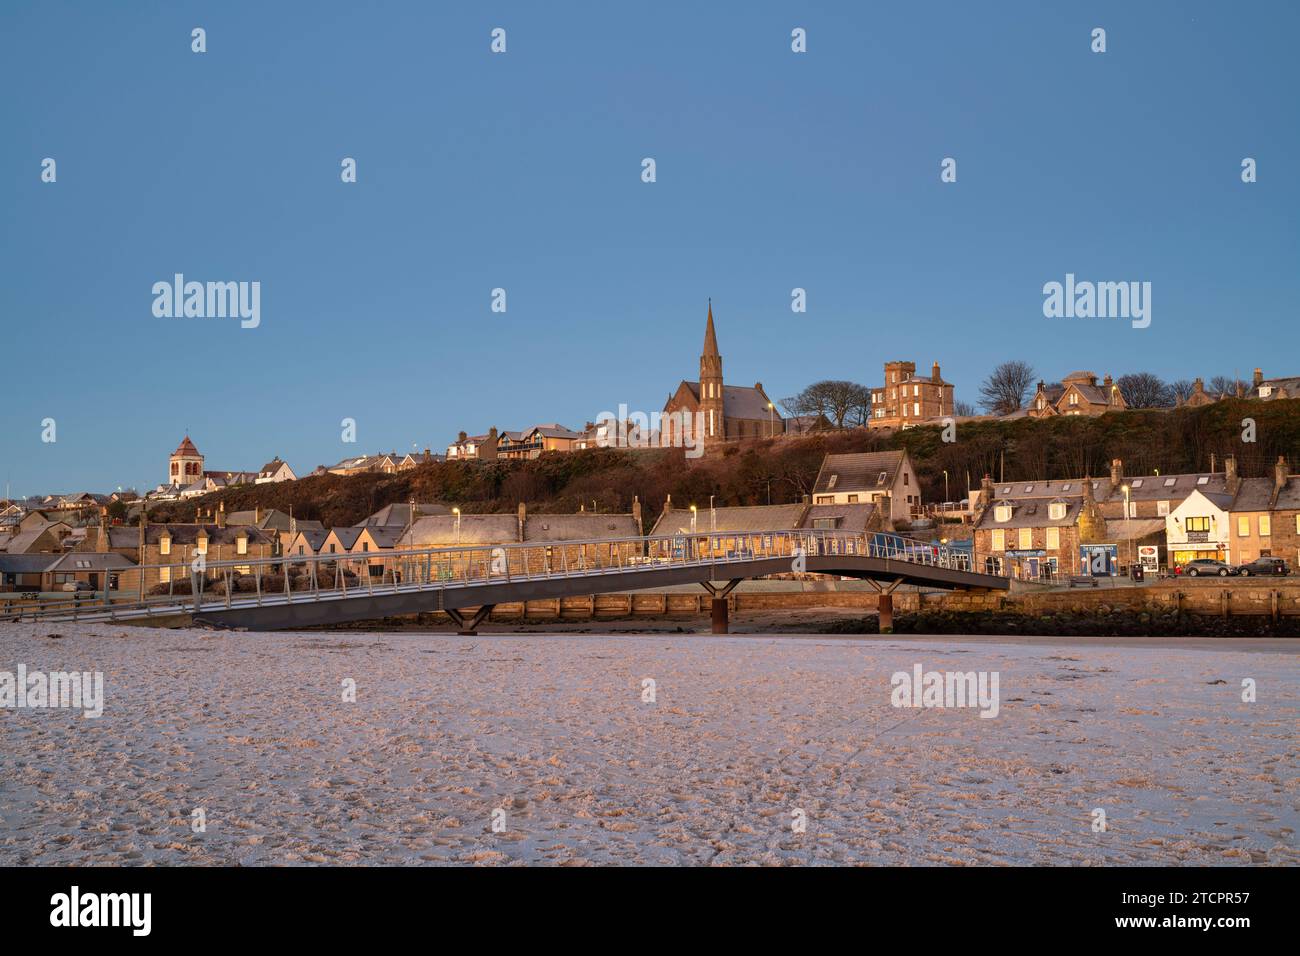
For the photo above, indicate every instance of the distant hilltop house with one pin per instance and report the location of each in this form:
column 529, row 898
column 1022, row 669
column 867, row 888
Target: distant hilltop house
column 474, row 447
column 275, row 470
column 906, row 399
column 1269, row 389
column 727, row 412
column 1078, row 394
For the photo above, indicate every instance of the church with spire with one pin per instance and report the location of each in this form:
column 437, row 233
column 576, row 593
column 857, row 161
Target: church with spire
column 727, row 412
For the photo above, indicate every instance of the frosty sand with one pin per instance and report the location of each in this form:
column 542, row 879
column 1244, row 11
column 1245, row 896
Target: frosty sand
column 545, row 749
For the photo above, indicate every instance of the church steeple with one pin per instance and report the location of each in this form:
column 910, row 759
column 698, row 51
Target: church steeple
column 711, row 403
column 710, row 338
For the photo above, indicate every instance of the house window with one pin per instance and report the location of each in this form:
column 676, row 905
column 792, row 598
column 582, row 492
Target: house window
column 1002, row 513
column 1198, row 523
column 1265, row 526
column 1170, row 482
column 905, row 478
column 1056, row 511
column 1162, row 508
column 1137, row 482
column 165, row 574
column 365, row 545
column 853, row 499
column 1203, row 480
column 300, row 551
column 825, row 499
column 241, row 545
column 999, row 542
column 1053, row 538
column 1074, row 398
column 1026, row 538
column 916, row 408
column 1243, row 527
column 1066, row 486
column 164, row 545
column 202, row 546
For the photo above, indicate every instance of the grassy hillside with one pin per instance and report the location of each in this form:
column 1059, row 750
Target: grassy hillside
column 783, row 471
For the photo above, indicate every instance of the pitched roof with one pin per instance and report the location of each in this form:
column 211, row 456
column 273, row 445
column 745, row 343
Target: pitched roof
column 91, row 561
column 583, row 526
column 742, row 519
column 859, row 472
column 347, row 536
column 186, row 447
column 1032, row 513
column 847, row 517
column 398, row 514
column 1254, row 494
column 439, row 531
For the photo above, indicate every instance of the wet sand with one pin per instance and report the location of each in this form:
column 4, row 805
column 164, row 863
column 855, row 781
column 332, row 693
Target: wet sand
column 743, row 732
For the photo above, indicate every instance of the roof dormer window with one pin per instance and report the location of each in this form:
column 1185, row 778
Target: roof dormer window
column 1002, row 513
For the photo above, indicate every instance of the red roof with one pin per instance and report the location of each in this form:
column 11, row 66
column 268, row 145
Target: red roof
column 186, row 448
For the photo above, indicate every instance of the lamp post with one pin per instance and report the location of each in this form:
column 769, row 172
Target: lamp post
column 771, row 421
column 456, row 512
column 692, row 519
column 713, row 516
column 1127, row 534
column 945, row 486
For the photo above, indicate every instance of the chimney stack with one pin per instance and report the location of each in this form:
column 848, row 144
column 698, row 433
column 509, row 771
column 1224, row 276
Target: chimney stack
column 1259, row 377
column 1279, row 474
column 636, row 514
column 257, row 515
column 934, row 372
column 101, row 543
column 221, row 515
column 523, row 517
column 1230, row 472
column 1116, row 472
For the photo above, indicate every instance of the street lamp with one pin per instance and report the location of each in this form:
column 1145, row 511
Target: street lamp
column 771, row 421
column 692, row 519
column 1127, row 533
column 456, row 512
column 713, row 516
column 945, row 486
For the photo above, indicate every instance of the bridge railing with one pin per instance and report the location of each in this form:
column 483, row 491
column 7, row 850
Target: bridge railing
column 243, row 581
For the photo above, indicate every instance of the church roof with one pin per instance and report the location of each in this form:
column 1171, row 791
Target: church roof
column 742, row 401
column 186, row 447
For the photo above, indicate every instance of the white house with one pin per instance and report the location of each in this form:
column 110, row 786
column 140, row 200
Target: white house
column 1199, row 527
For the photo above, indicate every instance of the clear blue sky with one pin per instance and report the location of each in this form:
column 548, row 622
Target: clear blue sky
column 522, row 170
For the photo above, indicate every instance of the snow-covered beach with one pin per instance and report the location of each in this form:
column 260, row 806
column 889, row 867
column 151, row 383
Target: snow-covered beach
column 554, row 749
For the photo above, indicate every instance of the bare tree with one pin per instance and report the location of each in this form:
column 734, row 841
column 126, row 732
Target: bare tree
column 1182, row 390
column 843, row 403
column 1225, row 385
column 1145, row 390
column 963, row 409
column 1007, row 388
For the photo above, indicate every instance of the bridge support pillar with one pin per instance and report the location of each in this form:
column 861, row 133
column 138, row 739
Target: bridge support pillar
column 885, row 604
column 719, row 608
column 720, row 621
column 469, row 628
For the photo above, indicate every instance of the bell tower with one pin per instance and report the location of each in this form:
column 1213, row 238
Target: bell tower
column 185, row 465
column 711, row 403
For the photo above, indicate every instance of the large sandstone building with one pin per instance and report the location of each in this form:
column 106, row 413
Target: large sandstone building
column 729, row 412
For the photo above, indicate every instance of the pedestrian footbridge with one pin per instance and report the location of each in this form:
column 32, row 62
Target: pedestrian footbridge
column 296, row 591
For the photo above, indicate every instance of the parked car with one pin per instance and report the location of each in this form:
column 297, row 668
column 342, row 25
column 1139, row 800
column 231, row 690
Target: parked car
column 1265, row 566
column 1206, row 566
column 77, row 586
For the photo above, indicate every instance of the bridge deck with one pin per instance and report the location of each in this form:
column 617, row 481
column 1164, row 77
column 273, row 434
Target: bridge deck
column 494, row 575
